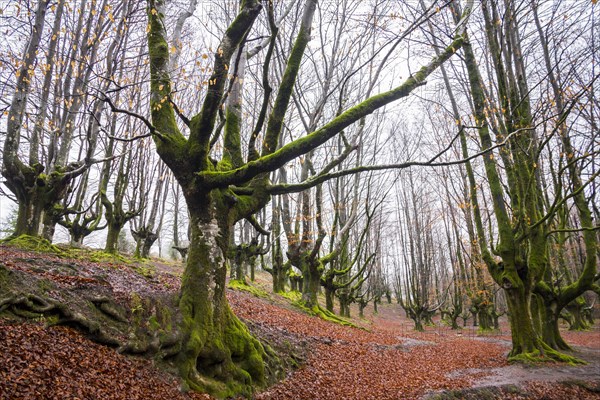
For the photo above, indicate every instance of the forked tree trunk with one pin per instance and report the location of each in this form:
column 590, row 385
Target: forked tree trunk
column 418, row 320
column 278, row 270
column 576, row 309
column 525, row 340
column 218, row 354
column 485, row 319
column 549, row 313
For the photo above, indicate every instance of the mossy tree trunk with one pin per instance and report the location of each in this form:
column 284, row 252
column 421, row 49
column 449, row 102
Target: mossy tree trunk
column 112, row 237
column 296, row 282
column 83, row 224
column 557, row 297
column 342, row 268
column 278, row 270
column 522, row 244
column 329, row 296
column 311, row 284
column 146, row 229
column 237, row 264
column 524, row 337
column 216, row 344
column 474, row 315
column 29, row 216
column 116, row 212
column 516, row 276
column 279, row 278
column 361, row 309
column 417, row 314
column 576, row 308
column 549, row 319
column 344, row 300
column 484, row 317
column 219, row 355
column 465, row 318
column 252, row 264
column 452, row 316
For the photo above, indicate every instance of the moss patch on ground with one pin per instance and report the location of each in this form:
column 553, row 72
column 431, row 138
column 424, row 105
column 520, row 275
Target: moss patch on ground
column 293, row 296
column 246, row 287
column 32, row 243
column 549, row 355
column 295, row 299
column 100, row 256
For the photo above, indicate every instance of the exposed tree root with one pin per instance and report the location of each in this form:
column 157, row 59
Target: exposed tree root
column 547, row 354
column 54, row 312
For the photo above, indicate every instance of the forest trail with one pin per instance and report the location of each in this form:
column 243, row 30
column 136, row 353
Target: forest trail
column 385, row 359
column 392, row 361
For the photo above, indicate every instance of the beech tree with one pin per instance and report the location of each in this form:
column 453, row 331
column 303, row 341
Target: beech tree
column 522, row 212
column 38, row 163
column 420, row 255
column 218, row 354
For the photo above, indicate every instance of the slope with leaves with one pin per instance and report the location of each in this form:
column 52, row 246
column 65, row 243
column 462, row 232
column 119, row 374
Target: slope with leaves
column 59, row 363
column 384, row 362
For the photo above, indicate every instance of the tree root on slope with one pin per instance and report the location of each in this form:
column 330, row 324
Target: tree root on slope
column 33, row 306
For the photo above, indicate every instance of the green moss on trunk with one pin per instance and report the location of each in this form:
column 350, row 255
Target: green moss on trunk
column 329, row 293
column 311, row 284
column 528, row 347
column 219, row 355
column 112, row 238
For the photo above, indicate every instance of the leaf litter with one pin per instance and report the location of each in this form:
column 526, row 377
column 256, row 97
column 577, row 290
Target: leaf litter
column 384, row 361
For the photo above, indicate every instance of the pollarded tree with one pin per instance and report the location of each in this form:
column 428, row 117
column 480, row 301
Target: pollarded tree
column 218, row 354
column 243, row 258
column 145, row 231
column 554, row 294
column 520, row 208
column 43, row 132
column 121, row 208
column 349, row 289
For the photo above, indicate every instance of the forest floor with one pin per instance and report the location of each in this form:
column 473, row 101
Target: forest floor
column 384, row 359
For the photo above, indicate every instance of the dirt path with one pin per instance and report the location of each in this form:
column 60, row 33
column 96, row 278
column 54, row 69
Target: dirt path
column 514, row 374
column 391, row 318
column 394, row 362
